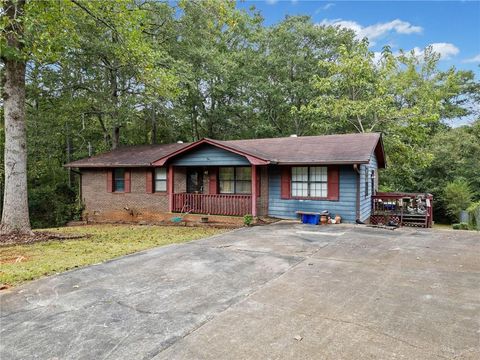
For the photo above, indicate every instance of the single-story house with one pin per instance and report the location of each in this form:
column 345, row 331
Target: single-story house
column 263, row 177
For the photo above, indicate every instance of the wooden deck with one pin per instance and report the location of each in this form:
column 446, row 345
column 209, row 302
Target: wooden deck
column 404, row 209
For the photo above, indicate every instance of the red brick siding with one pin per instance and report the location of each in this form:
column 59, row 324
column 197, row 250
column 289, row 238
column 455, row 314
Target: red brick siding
column 137, row 205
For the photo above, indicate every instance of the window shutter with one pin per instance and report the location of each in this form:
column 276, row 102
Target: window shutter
column 149, row 181
column 109, row 180
column 127, row 180
column 285, row 182
column 212, row 183
column 333, row 182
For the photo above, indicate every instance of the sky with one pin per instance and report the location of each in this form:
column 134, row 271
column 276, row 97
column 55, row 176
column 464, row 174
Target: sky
column 451, row 27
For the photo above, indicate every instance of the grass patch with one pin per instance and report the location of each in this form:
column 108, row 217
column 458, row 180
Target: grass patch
column 442, row 226
column 20, row 263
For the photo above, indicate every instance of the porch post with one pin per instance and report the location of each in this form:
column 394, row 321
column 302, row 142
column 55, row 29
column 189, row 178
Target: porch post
column 170, row 187
column 254, row 190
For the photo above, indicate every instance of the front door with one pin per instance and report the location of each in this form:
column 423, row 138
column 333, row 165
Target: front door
column 195, row 180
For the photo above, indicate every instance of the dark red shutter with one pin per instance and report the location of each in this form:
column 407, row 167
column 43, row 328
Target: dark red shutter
column 212, row 183
column 109, row 180
column 127, row 179
column 149, row 181
column 333, row 182
column 285, row 182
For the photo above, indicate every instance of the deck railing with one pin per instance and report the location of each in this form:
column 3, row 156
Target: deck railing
column 214, row 204
column 404, row 209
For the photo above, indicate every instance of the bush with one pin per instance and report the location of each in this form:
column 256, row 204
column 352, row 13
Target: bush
column 247, row 220
column 460, row 226
column 474, row 215
column 52, row 205
column 458, row 197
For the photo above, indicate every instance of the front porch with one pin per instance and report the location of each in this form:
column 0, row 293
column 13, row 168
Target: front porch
column 209, row 178
column 213, row 204
column 204, row 190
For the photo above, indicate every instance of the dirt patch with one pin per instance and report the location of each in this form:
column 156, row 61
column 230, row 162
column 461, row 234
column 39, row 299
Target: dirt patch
column 15, row 259
column 39, row 236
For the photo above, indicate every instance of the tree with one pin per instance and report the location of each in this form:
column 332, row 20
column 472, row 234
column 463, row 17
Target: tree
column 458, row 197
column 15, row 200
column 454, row 152
column 288, row 58
column 101, row 74
column 51, row 32
column 405, row 97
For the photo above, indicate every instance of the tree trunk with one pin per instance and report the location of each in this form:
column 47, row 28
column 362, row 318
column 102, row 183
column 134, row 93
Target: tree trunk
column 153, row 139
column 15, row 216
column 115, row 137
column 106, row 136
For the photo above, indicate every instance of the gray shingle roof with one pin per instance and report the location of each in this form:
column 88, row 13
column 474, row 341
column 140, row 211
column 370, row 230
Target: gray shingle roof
column 327, row 149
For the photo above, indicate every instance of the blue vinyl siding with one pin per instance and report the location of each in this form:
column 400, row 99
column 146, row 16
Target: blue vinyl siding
column 208, row 155
column 366, row 202
column 286, row 208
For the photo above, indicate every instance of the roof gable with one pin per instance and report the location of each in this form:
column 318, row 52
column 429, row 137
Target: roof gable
column 207, row 154
column 254, row 160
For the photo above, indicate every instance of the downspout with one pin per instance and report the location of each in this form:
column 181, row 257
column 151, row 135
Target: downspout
column 357, row 203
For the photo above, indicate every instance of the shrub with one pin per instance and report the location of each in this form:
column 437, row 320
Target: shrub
column 458, row 196
column 248, row 219
column 463, row 226
column 460, row 226
column 474, row 215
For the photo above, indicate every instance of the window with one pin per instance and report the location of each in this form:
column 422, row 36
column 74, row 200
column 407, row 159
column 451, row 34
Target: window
column 235, row 180
column 160, row 179
column 310, row 181
column 367, row 172
column 119, row 180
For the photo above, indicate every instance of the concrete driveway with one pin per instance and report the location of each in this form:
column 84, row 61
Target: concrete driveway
column 283, row 291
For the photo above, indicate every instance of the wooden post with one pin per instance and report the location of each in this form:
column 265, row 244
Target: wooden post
column 170, row 187
column 254, row 190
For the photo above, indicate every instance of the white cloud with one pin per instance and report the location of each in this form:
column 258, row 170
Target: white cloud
column 324, row 7
column 445, row 50
column 475, row 59
column 373, row 32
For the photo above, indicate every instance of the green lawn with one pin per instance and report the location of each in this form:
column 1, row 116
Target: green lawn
column 19, row 263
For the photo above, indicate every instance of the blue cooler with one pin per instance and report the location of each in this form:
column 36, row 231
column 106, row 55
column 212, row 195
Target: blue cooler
column 310, row 219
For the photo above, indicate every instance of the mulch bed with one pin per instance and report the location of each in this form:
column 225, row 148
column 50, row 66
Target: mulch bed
column 39, row 236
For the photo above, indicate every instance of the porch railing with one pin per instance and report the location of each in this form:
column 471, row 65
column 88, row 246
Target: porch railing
column 214, row 204
column 405, row 209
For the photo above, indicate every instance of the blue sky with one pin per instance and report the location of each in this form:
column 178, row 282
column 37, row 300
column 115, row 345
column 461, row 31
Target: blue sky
column 453, row 27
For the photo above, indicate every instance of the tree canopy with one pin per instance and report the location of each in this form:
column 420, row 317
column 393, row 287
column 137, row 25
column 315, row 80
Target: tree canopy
column 106, row 74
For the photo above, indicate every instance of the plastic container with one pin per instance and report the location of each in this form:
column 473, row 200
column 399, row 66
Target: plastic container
column 464, row 216
column 310, row 219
